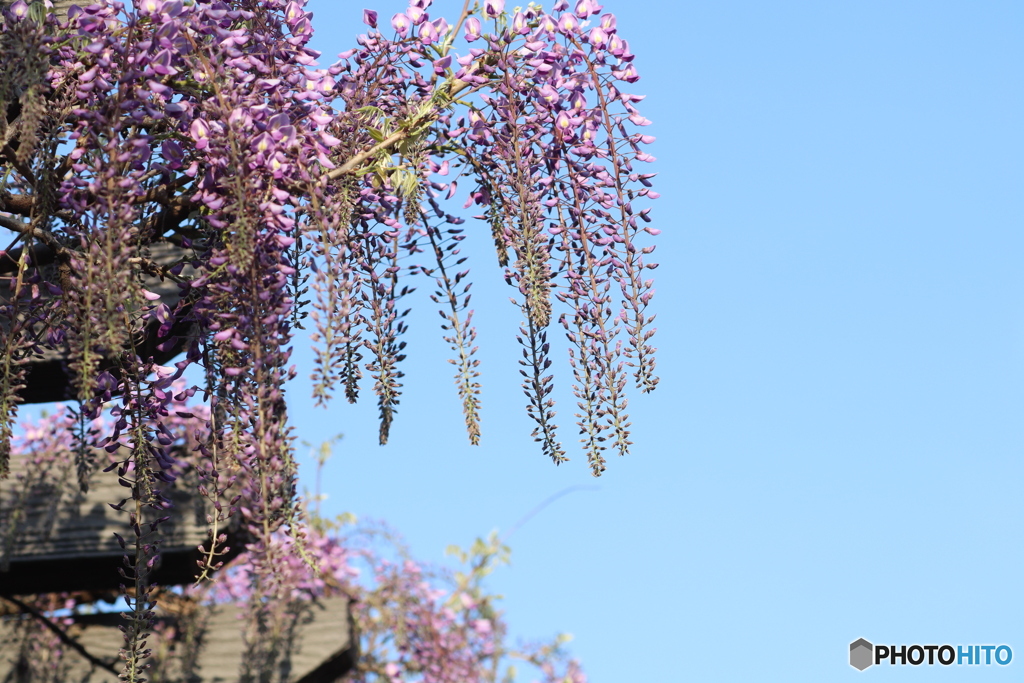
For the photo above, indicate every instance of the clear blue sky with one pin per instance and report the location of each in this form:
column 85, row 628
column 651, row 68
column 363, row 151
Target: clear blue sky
column 834, row 451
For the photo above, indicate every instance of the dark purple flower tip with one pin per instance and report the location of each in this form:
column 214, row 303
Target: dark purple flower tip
column 370, row 18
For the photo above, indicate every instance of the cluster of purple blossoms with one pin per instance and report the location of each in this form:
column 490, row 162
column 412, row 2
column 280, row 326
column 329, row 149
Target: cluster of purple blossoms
column 205, row 130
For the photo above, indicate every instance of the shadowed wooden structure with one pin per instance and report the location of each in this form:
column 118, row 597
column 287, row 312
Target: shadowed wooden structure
column 48, row 526
column 57, row 539
column 318, row 647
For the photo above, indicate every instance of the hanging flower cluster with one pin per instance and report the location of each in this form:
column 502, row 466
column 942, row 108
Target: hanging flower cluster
column 555, row 161
column 179, row 176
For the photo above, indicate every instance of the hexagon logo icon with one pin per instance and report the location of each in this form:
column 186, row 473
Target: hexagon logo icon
column 862, row 654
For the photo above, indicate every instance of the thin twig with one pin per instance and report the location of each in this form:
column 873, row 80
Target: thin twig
column 61, row 634
column 154, row 268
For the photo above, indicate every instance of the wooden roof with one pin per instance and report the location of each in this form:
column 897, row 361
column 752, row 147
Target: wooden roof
column 48, row 377
column 65, row 542
column 321, row 650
